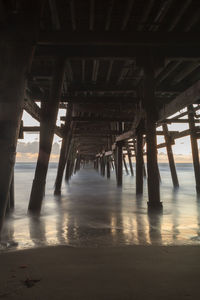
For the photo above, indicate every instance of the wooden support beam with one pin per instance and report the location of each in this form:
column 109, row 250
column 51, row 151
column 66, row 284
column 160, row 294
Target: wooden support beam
column 179, row 14
column 34, row 110
column 95, row 70
column 189, row 96
column 83, row 72
column 141, row 39
column 69, row 162
column 164, row 7
column 127, row 14
column 150, row 109
column 48, row 121
column 107, row 166
column 92, row 14
column 146, row 11
column 119, row 164
column 103, row 165
column 105, row 100
column 15, row 62
column 179, row 121
column 139, row 162
column 54, row 15
column 64, row 152
column 109, row 14
column 11, row 197
column 188, row 50
column 170, row 156
column 109, row 70
column 72, row 12
column 125, row 165
column 129, row 159
column 194, row 146
column 102, row 119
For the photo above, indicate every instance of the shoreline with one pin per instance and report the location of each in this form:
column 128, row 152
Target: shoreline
column 131, row 272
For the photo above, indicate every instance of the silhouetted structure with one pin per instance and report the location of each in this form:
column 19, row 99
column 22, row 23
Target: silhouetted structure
column 120, row 68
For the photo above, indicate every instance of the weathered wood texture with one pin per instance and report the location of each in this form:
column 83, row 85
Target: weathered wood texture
column 64, row 152
column 139, row 162
column 170, row 156
column 151, row 115
column 14, row 62
column 194, row 146
column 119, row 164
column 48, row 121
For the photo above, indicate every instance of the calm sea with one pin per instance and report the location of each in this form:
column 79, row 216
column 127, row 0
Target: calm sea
column 93, row 212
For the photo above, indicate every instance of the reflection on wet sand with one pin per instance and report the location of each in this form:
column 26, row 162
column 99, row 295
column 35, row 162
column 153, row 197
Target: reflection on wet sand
column 93, row 212
column 37, row 230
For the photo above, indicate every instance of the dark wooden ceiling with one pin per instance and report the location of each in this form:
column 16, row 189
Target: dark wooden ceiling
column 101, row 41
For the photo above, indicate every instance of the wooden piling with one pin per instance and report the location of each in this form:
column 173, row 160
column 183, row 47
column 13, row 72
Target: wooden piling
column 129, row 160
column 49, row 111
column 16, row 54
column 69, row 162
column 139, row 162
column 119, row 164
column 108, row 166
column 125, row 165
column 64, row 151
column 77, row 164
column 194, row 146
column 103, row 165
column 14, row 64
column 151, row 116
column 170, row 156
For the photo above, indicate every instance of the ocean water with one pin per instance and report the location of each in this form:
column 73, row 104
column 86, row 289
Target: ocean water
column 93, row 212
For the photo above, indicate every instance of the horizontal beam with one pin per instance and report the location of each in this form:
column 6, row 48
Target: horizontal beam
column 118, row 38
column 103, row 119
column 34, row 110
column 189, row 96
column 176, row 120
column 117, row 100
column 178, row 52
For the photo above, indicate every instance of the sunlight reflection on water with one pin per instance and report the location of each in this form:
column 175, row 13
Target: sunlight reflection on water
column 93, row 212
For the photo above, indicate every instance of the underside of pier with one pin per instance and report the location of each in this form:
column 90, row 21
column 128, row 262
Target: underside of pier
column 121, row 69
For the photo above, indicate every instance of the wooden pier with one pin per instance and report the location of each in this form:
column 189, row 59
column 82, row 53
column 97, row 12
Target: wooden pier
column 121, row 69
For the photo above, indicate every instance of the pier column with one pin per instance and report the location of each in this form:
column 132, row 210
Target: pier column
column 15, row 60
column 64, row 151
column 125, row 165
column 103, row 165
column 139, row 162
column 108, row 166
column 151, row 116
column 11, row 197
column 129, row 160
column 49, row 110
column 170, row 156
column 77, row 164
column 119, row 164
column 194, row 146
column 69, row 162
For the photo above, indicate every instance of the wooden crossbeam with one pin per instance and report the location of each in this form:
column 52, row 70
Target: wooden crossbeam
column 101, row 119
column 176, row 120
column 34, row 110
column 103, row 38
column 189, row 96
column 175, row 52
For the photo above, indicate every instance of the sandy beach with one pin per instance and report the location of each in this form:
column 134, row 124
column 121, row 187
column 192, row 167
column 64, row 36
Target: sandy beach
column 134, row 272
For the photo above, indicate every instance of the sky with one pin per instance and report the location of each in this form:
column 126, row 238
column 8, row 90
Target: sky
column 27, row 149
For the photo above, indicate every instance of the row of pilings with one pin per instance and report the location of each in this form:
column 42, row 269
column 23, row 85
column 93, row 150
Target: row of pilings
column 134, row 147
column 15, row 62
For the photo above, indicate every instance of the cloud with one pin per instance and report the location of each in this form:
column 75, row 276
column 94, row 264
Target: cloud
column 28, row 152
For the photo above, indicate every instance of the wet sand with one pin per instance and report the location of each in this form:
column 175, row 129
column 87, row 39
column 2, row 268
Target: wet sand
column 132, row 272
